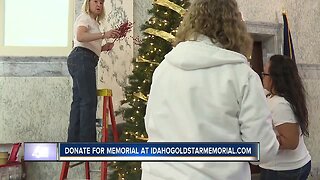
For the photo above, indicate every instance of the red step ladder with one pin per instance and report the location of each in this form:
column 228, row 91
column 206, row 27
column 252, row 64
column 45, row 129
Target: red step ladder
column 107, row 112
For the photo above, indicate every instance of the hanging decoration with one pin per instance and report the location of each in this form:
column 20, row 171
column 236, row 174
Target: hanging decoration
column 141, row 96
column 139, row 59
column 171, row 5
column 162, row 34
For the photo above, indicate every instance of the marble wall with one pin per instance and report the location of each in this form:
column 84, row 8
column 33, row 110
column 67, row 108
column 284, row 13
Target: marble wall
column 140, row 16
column 35, row 92
column 115, row 66
column 303, row 17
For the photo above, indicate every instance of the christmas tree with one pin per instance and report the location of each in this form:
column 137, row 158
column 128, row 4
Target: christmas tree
column 159, row 32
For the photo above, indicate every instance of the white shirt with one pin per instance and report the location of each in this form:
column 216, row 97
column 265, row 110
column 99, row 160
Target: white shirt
column 203, row 93
column 93, row 27
column 286, row 159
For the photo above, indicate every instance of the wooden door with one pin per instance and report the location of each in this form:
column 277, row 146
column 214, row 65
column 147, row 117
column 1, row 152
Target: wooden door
column 256, row 60
column 256, row 63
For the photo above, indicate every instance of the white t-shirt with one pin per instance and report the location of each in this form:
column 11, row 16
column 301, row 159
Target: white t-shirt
column 286, row 159
column 93, row 27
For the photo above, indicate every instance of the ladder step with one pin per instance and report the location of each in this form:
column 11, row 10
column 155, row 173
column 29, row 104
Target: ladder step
column 96, row 170
column 108, row 112
column 75, row 164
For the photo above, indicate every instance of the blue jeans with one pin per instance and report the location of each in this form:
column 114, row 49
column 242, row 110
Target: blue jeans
column 296, row 174
column 82, row 125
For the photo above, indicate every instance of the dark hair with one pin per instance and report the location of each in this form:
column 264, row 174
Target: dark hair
column 287, row 83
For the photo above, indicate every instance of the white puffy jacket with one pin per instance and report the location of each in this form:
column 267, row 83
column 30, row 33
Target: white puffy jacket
column 203, row 93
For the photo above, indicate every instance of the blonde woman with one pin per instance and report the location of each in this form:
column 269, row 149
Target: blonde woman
column 204, row 91
column 81, row 65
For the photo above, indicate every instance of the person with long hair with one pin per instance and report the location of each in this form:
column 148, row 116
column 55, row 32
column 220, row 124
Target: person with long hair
column 81, row 65
column 287, row 102
column 205, row 91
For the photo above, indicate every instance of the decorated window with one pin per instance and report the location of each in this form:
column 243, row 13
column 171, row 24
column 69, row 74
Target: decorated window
column 36, row 27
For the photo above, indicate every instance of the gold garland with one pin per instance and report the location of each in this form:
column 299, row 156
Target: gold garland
column 171, row 5
column 137, row 137
column 164, row 35
column 142, row 138
column 142, row 60
column 141, row 96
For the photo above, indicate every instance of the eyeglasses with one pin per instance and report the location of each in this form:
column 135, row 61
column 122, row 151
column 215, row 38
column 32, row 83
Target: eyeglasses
column 265, row 74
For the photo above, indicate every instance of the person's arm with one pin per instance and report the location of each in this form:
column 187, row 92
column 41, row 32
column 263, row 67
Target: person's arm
column 107, row 47
column 255, row 119
column 288, row 135
column 286, row 125
column 84, row 36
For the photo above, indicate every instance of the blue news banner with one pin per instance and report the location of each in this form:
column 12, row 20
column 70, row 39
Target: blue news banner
column 151, row 151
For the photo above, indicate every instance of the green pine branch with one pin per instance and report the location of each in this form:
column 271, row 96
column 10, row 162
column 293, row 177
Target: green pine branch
column 133, row 108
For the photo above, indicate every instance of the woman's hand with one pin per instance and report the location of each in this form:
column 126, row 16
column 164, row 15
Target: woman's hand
column 107, row 47
column 112, row 34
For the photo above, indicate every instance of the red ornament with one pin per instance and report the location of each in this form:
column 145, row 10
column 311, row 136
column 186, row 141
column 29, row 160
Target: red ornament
column 124, row 29
column 137, row 40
